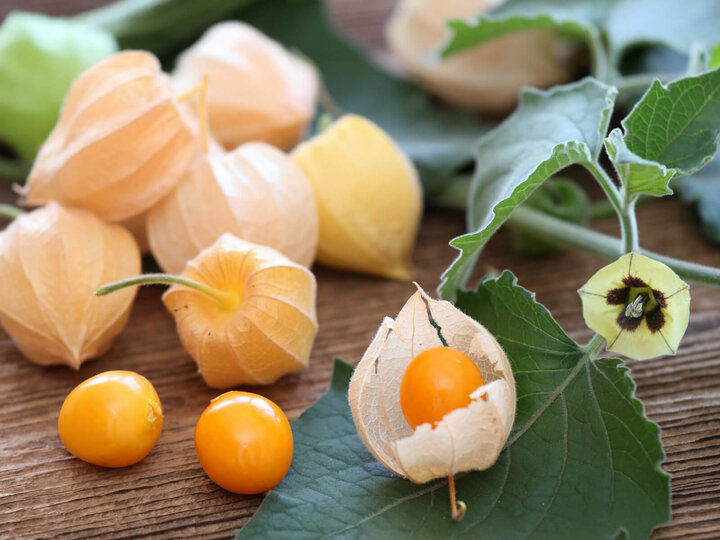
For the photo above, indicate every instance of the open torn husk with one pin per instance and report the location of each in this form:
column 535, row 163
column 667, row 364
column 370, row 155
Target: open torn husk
column 121, row 144
column 255, row 192
column 257, row 90
column 468, row 438
column 267, row 327
column 51, row 262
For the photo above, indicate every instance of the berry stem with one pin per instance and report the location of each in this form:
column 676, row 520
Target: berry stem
column 222, row 297
column 457, row 508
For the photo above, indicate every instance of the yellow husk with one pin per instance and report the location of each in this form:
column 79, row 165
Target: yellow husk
column 121, row 144
column 368, row 196
column 469, row 438
column 268, row 328
column 489, row 76
column 257, row 90
column 51, row 262
column 255, row 192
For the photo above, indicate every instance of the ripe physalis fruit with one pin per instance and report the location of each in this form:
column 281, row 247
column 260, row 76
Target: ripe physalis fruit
column 255, row 192
column 51, row 262
column 257, row 90
column 436, row 382
column 639, row 305
column 121, row 144
column 467, row 438
column 244, row 442
column 112, row 419
column 368, row 195
column 244, row 312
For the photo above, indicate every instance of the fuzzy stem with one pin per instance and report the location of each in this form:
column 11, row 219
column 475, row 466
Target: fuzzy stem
column 8, row 211
column 563, row 234
column 457, row 508
column 623, row 204
column 166, row 279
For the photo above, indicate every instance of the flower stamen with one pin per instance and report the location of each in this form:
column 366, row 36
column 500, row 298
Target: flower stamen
column 636, row 308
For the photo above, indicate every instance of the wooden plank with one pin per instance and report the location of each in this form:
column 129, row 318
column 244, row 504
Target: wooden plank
column 45, row 493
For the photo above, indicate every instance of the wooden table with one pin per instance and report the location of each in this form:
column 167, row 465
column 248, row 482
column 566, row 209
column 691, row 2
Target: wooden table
column 45, row 492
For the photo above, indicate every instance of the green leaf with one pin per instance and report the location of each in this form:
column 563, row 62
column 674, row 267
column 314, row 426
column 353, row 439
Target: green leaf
column 672, row 130
column 577, row 19
column 673, row 24
column 638, row 175
column 703, row 190
column 438, row 139
column 162, row 27
column 39, row 58
column 549, row 131
column 582, row 461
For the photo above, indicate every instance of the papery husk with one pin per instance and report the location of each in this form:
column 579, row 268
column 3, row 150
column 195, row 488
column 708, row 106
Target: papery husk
column 137, row 226
column 255, row 192
column 51, row 261
column 121, row 144
column 368, row 196
column 257, row 90
column 488, row 76
column 268, row 330
column 468, row 438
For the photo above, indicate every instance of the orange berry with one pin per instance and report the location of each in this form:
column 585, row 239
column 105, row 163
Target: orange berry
column 112, row 419
column 437, row 381
column 244, row 442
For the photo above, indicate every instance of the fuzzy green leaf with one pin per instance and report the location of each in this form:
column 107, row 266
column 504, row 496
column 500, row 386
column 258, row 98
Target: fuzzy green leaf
column 638, row 175
column 438, row 139
column 160, row 26
column 578, row 19
column 582, row 460
column 677, row 125
column 703, row 190
column 549, row 131
column 673, row 24
column 40, row 56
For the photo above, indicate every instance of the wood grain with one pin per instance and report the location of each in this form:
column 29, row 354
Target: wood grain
column 45, row 493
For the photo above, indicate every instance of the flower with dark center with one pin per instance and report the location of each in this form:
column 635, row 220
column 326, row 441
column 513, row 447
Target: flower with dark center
column 639, row 305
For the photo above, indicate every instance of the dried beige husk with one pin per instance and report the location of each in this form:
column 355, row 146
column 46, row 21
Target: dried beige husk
column 255, row 192
column 267, row 327
column 121, row 144
column 368, row 196
column 257, row 90
column 489, row 76
column 469, row 438
column 51, row 262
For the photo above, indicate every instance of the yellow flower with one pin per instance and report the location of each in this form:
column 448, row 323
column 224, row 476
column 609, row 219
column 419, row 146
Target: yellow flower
column 639, row 305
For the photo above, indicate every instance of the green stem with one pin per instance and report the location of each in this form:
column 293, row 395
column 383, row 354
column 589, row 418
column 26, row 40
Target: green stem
column 640, row 82
column 599, row 59
column 454, row 194
column 604, row 208
column 628, row 224
column 9, row 211
column 166, row 279
column 567, row 235
column 623, row 205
